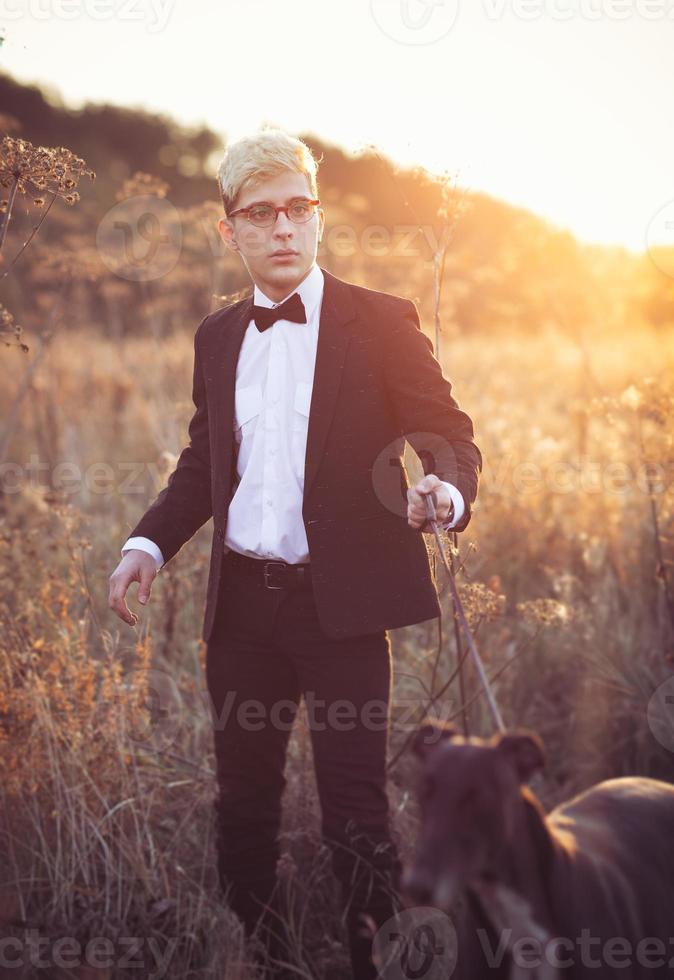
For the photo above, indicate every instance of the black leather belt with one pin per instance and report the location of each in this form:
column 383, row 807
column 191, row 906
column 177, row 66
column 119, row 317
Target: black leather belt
column 272, row 573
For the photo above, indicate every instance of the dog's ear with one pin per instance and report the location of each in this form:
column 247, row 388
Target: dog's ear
column 524, row 750
column 431, row 733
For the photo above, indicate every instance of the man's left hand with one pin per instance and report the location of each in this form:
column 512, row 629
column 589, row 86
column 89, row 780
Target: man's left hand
column 416, row 505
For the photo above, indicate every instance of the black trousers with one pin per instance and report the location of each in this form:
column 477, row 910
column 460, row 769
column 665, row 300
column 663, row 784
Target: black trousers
column 266, row 651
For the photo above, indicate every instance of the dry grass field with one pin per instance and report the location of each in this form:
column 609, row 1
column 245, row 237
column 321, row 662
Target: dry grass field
column 106, row 767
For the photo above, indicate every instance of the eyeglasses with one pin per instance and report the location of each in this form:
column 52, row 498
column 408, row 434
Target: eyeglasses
column 265, row 215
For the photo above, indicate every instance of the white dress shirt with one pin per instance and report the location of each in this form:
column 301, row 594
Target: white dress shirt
column 274, row 384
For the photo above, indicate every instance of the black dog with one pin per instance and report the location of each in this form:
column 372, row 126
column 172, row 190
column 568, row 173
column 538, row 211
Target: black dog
column 584, row 891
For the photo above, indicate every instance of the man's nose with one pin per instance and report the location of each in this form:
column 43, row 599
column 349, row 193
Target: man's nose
column 283, row 225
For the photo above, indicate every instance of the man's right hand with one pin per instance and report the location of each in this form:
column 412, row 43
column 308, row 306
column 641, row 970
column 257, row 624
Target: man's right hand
column 135, row 566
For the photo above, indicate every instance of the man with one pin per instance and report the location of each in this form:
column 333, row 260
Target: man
column 304, row 394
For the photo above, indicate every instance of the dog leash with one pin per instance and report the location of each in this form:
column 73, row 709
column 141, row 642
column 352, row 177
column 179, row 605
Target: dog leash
column 431, row 500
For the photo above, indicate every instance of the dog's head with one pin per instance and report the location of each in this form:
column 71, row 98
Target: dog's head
column 470, row 797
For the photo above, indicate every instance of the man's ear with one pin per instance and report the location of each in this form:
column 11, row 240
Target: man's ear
column 524, row 750
column 226, row 232
column 430, row 734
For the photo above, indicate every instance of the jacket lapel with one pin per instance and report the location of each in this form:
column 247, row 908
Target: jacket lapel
column 219, row 365
column 337, row 310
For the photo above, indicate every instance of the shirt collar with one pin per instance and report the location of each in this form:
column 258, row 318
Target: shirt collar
column 310, row 290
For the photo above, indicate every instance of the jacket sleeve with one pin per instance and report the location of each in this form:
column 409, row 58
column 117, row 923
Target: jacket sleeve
column 185, row 503
column 426, row 412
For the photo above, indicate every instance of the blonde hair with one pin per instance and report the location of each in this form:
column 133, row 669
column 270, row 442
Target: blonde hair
column 264, row 154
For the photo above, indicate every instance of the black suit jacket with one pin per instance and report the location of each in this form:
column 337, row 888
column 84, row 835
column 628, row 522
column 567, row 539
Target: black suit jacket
column 376, row 381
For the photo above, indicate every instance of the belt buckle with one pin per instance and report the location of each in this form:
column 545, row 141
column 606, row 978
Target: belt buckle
column 266, row 574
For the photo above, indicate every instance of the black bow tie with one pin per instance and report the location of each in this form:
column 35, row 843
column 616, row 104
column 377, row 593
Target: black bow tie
column 291, row 309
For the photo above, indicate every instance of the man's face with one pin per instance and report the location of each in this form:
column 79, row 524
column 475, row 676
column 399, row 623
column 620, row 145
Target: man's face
column 275, row 274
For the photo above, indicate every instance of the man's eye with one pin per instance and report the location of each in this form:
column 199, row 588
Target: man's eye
column 300, row 210
column 261, row 212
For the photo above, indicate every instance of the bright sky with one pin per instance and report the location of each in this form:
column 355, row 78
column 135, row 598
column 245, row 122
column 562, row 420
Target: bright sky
column 562, row 106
